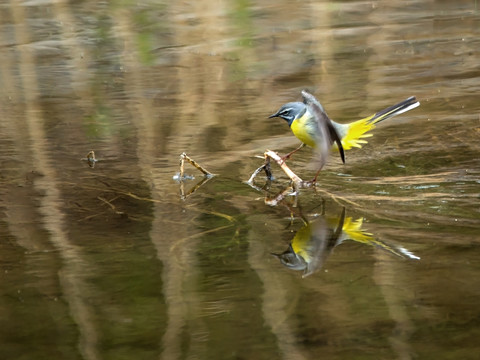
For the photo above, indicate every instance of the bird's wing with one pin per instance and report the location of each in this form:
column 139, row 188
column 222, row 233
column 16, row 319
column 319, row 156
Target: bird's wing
column 326, row 134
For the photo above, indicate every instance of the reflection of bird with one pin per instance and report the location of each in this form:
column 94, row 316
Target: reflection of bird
column 311, row 245
column 304, row 123
column 314, row 242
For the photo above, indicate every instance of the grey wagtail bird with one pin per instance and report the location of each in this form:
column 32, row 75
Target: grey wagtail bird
column 309, row 120
column 311, row 125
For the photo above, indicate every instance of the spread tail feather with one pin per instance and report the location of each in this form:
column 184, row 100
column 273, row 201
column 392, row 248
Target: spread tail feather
column 353, row 230
column 357, row 131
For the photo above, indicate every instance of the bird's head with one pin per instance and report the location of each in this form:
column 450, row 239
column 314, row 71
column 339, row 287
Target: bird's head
column 290, row 111
column 291, row 260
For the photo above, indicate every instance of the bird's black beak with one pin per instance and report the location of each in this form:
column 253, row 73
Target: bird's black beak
column 273, row 115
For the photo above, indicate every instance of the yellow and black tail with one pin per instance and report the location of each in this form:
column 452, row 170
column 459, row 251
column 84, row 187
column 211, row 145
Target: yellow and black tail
column 357, row 131
column 353, row 230
column 394, row 110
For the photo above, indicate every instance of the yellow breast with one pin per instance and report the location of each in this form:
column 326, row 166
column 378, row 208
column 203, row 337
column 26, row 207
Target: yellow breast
column 301, row 241
column 304, row 129
column 351, row 135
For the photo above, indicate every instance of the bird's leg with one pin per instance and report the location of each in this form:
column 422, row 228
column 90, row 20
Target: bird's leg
column 314, row 181
column 286, row 157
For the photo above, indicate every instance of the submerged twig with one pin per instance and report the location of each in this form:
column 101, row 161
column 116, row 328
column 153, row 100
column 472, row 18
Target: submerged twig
column 113, row 207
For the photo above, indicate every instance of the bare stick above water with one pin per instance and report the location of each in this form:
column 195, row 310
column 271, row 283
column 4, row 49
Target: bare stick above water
column 184, row 157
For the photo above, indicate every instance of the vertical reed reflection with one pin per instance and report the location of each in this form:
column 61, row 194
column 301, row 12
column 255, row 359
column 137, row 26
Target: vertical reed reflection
column 74, row 267
column 79, row 55
column 169, row 223
column 279, row 299
column 387, row 274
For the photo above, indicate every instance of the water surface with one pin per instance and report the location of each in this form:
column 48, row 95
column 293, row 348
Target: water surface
column 112, row 262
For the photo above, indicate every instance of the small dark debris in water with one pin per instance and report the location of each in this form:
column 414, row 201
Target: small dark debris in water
column 90, row 159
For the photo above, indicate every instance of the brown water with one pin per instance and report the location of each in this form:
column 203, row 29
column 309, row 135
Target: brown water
column 109, row 262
